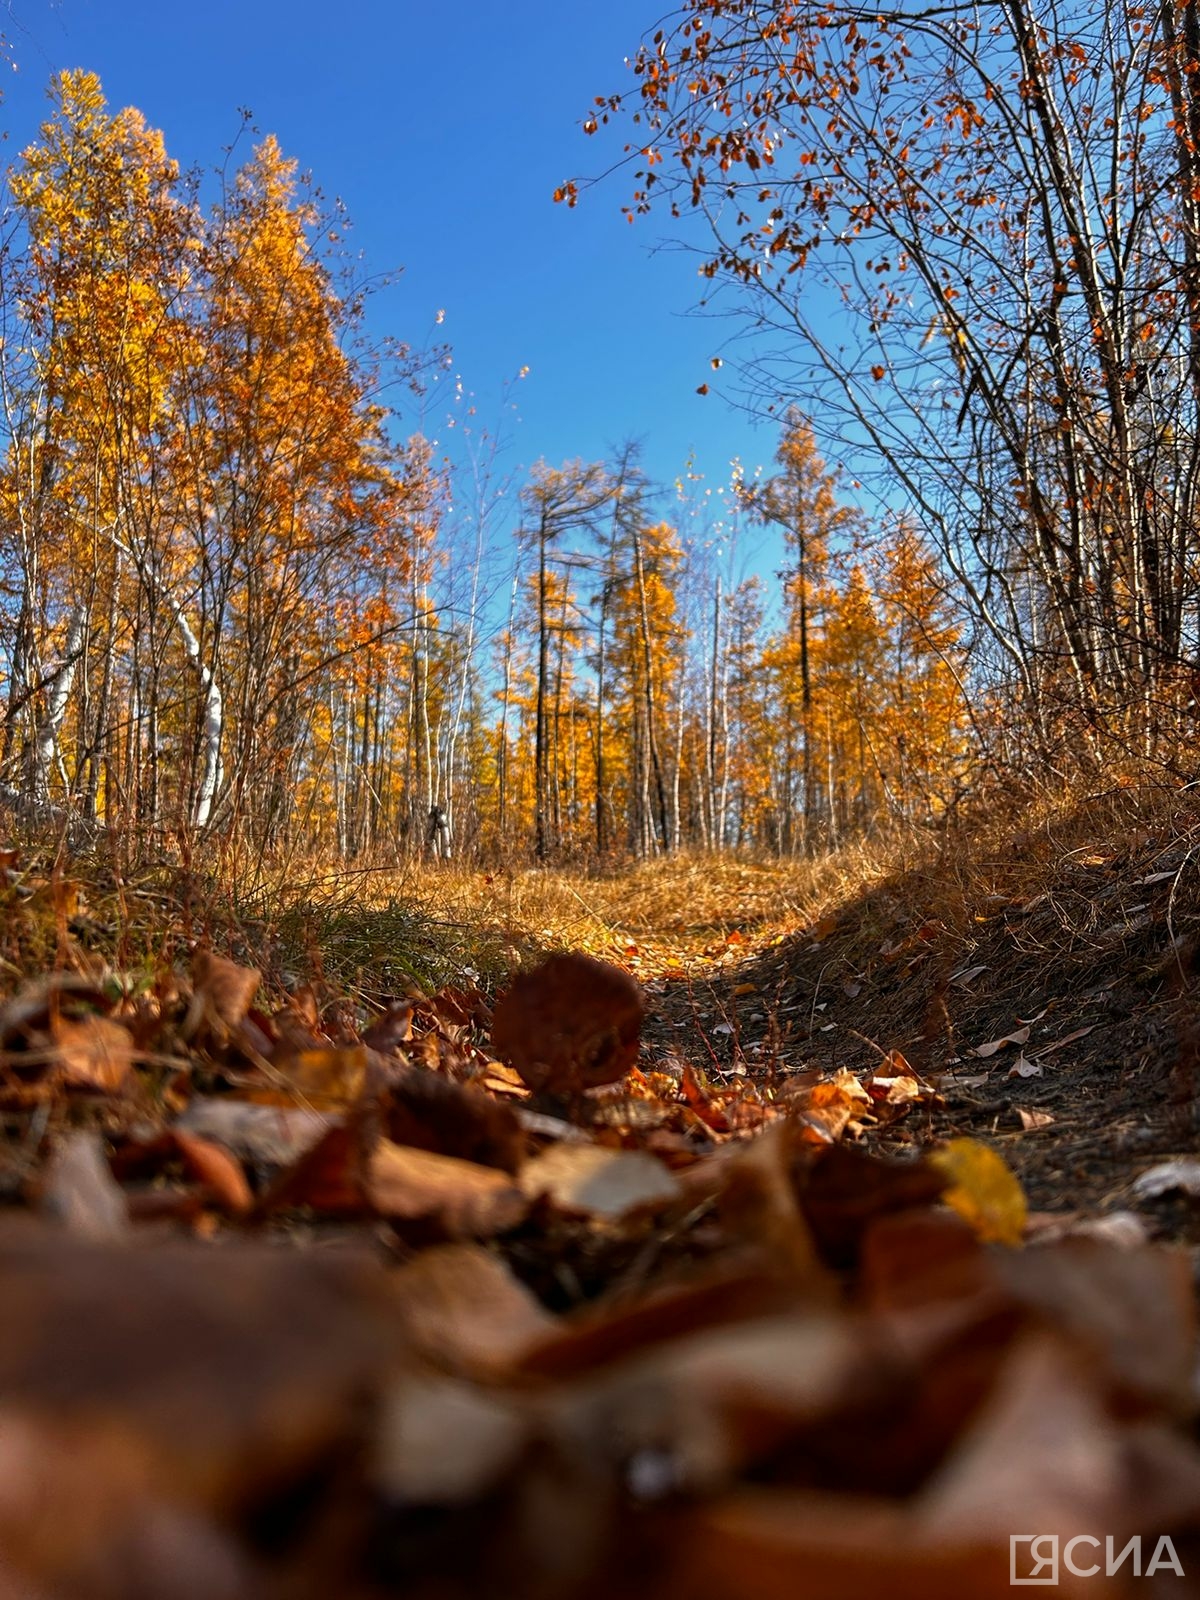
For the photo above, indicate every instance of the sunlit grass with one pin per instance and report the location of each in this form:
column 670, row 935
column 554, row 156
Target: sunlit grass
column 388, row 928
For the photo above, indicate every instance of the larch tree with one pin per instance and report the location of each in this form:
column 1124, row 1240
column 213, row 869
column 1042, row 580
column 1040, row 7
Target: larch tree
column 96, row 277
column 924, row 734
column 848, row 705
column 645, row 675
column 555, row 502
column 804, row 499
column 293, row 493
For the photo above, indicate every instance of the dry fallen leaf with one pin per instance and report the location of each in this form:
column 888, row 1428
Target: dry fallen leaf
column 1044, row 1454
column 94, row 1053
column 1021, row 1036
column 233, row 1367
column 1181, row 1176
column 78, row 1191
column 1067, row 1038
column 442, row 1442
column 270, row 1136
column 442, row 1196
column 1034, row 1119
column 461, row 1307
column 325, row 1077
column 217, row 1171
column 967, row 975
column 571, row 1024
column 431, row 1112
column 1025, row 1067
column 213, row 1175
column 223, row 990
column 597, row 1181
column 824, row 1111
column 983, row 1190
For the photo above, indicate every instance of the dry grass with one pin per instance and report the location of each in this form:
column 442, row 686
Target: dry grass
column 382, row 929
column 662, row 915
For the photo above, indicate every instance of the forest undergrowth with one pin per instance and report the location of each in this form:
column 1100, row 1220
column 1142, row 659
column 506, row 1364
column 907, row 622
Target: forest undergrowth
column 675, row 1230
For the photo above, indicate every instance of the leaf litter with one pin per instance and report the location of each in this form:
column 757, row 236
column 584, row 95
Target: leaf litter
column 298, row 1306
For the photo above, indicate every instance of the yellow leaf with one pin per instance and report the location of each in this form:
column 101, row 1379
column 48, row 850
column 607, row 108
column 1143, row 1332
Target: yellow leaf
column 984, row 1190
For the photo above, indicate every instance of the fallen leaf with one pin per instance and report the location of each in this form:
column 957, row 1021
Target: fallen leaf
column 453, row 1199
column 460, row 1306
column 440, row 1442
column 237, row 1369
column 1180, row 1176
column 848, row 1544
column 845, row 1192
column 324, row 1078
column 710, row 1111
column 216, row 1170
column 573, row 1023
column 82, row 1513
column 951, row 1080
column 94, row 1054
column 982, row 1189
column 1044, row 1454
column 826, row 1109
column 967, row 975
column 430, row 1112
column 37, row 1002
column 1132, row 1312
column 79, row 1193
column 503, row 1080
column 759, row 1204
column 388, row 1032
column 270, row 1136
column 1034, row 1119
column 894, row 1085
column 1021, row 1036
column 329, row 1177
column 1124, row 1229
column 597, row 1181
column 223, row 989
column 1025, row 1067
column 1067, row 1038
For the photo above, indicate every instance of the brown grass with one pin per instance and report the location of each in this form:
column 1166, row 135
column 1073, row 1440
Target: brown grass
column 377, row 929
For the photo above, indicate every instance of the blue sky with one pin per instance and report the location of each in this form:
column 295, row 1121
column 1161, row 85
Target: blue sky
column 445, row 134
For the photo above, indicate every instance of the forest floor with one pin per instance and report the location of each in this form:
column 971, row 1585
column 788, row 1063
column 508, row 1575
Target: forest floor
column 881, row 1251
column 1047, row 986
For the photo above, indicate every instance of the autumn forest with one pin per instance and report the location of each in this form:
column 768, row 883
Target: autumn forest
column 244, row 593
column 239, row 596
column 571, row 1027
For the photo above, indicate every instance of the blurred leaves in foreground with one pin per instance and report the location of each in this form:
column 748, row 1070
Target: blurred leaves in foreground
column 299, row 1302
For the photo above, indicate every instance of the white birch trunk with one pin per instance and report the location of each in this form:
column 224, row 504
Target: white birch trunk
column 58, row 692
column 214, row 721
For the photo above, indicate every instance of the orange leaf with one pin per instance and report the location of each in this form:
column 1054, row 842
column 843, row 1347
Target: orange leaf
column 218, row 1171
column 95, row 1053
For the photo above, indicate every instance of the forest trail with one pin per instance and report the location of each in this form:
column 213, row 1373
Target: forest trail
column 1055, row 1015
column 881, row 1255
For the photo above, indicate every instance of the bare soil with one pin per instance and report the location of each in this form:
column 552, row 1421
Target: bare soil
column 1089, row 959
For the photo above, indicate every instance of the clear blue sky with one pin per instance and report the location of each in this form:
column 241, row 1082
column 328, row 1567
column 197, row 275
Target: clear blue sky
column 445, row 133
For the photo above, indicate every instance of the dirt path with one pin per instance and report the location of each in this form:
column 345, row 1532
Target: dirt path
column 1061, row 1026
